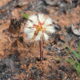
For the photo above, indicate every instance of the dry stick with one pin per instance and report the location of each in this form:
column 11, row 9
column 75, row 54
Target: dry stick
column 41, row 49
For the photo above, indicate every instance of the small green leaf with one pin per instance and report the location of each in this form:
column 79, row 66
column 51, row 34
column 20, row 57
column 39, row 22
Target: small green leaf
column 79, row 46
column 77, row 55
column 77, row 67
column 71, row 61
column 26, row 16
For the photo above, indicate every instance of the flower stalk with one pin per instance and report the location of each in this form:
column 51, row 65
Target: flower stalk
column 41, row 49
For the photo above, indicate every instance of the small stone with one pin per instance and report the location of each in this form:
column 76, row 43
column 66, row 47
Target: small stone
column 51, row 2
column 76, row 29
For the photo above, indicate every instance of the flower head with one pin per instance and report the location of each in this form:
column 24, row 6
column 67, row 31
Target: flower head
column 38, row 26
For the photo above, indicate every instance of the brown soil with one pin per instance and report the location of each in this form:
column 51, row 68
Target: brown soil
column 19, row 58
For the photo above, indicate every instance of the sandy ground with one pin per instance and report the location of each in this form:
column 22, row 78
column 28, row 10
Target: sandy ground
column 19, row 58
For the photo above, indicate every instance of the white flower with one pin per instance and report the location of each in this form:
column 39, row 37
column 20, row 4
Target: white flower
column 38, row 26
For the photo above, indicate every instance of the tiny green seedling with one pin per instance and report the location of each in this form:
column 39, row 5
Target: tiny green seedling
column 74, row 59
column 26, row 16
